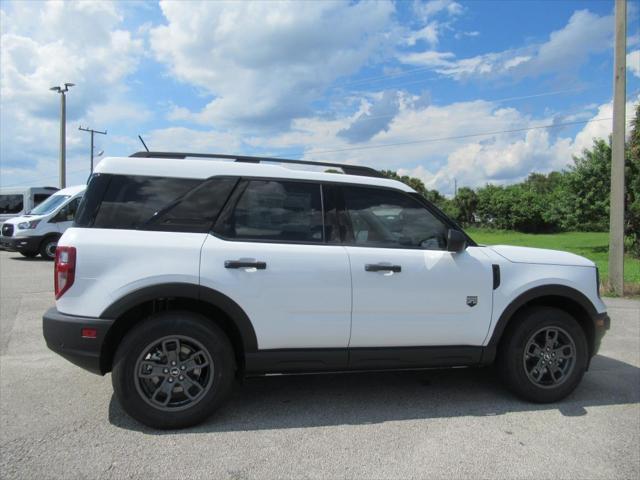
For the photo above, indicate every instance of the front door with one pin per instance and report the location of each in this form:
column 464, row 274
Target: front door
column 408, row 290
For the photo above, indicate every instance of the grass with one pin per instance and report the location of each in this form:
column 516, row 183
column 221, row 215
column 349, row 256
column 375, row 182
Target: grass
column 593, row 245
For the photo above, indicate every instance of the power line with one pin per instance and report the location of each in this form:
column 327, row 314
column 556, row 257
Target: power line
column 456, row 137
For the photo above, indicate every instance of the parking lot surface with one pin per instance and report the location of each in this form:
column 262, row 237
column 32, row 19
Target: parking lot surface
column 58, row 421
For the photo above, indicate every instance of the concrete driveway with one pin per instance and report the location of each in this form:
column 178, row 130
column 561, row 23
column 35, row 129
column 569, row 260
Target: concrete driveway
column 57, row 421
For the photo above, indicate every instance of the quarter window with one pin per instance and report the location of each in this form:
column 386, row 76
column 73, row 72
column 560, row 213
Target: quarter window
column 11, row 203
column 277, row 211
column 386, row 218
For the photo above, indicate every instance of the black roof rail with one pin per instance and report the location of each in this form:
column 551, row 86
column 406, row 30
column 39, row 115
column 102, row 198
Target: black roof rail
column 348, row 169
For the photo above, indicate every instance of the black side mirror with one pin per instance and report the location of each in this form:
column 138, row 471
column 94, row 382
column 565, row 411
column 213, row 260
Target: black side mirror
column 456, row 241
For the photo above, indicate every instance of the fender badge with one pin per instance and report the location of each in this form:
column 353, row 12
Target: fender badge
column 472, row 301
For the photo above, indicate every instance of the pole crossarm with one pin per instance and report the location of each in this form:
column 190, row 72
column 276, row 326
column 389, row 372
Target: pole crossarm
column 92, row 132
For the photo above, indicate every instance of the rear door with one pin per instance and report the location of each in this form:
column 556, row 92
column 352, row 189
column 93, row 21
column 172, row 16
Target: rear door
column 269, row 254
column 408, row 290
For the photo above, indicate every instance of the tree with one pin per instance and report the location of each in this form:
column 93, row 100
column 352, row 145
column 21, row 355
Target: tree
column 466, row 202
column 632, row 174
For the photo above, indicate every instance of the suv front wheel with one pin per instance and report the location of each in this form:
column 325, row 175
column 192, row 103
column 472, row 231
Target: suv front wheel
column 544, row 354
column 173, row 370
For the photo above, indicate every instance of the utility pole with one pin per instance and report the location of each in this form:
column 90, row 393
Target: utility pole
column 455, row 187
column 63, row 131
column 92, row 133
column 616, row 204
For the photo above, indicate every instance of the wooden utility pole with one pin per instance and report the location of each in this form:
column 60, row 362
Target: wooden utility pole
column 616, row 205
column 91, row 148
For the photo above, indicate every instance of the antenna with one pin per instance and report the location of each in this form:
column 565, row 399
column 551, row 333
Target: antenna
column 144, row 144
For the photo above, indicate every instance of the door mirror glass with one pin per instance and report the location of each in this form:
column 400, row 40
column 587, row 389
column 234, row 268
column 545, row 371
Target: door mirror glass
column 456, row 241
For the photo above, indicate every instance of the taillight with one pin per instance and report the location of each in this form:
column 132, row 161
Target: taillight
column 65, row 269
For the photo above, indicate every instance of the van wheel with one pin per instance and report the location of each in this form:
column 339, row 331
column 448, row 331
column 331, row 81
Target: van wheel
column 48, row 248
column 544, row 354
column 173, row 370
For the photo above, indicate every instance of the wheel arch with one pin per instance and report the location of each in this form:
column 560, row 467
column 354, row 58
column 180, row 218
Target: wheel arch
column 127, row 311
column 562, row 297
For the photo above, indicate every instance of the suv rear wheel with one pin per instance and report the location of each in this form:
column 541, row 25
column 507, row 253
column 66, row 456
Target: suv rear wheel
column 544, row 354
column 173, row 370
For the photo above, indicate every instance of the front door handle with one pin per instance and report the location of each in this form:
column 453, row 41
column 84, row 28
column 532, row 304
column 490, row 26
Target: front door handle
column 378, row 267
column 245, row 264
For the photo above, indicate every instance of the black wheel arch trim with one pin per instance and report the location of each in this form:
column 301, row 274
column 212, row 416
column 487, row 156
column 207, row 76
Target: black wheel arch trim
column 528, row 296
column 191, row 291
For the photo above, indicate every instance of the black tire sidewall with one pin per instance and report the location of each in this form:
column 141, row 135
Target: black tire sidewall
column 161, row 325
column 43, row 247
column 511, row 355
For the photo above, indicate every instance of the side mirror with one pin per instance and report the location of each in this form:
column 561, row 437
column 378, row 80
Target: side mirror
column 456, row 241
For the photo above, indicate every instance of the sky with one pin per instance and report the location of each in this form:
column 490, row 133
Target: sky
column 473, row 92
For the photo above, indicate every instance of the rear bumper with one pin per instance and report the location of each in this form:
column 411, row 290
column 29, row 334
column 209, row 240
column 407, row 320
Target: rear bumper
column 20, row 244
column 63, row 334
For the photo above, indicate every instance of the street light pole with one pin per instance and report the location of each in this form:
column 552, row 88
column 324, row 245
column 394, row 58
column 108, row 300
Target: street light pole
column 63, row 131
column 92, row 133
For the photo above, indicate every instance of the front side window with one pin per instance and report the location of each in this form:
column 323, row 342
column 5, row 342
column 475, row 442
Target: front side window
column 387, row 218
column 277, row 211
column 68, row 212
column 38, row 198
column 11, row 203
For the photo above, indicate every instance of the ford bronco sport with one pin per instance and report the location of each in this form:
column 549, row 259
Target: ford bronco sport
column 183, row 271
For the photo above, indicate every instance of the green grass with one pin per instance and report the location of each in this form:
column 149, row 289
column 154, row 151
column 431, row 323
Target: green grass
column 593, row 245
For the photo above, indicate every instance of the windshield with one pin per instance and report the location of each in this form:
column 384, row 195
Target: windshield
column 49, row 205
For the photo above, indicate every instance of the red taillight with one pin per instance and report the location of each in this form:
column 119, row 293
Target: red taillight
column 65, row 269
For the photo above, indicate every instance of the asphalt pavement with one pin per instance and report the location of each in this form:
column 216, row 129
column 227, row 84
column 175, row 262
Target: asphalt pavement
column 58, row 421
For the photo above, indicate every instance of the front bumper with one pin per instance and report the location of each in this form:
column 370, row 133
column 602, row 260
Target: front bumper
column 63, row 334
column 20, row 244
column 602, row 323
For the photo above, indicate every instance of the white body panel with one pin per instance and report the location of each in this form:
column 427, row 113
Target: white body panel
column 301, row 300
column 113, row 263
column 425, row 303
column 542, row 256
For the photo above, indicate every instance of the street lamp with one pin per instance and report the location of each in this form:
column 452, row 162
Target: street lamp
column 63, row 136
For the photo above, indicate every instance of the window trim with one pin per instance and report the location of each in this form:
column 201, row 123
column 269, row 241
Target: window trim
column 243, row 182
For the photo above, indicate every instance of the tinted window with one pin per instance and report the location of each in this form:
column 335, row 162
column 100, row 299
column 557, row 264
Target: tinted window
column 38, row 198
column 68, row 212
column 277, row 211
column 386, row 218
column 11, row 203
column 152, row 203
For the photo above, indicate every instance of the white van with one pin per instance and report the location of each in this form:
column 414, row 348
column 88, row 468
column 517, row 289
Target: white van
column 38, row 231
column 17, row 201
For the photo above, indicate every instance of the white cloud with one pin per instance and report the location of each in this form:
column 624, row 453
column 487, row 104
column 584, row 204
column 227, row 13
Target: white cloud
column 563, row 53
column 264, row 63
column 633, row 62
column 46, row 44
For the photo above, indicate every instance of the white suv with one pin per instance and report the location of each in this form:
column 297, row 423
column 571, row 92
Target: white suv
column 183, row 271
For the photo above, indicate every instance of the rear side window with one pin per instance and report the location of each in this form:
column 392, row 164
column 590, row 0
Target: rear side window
column 277, row 211
column 38, row 198
column 153, row 203
column 11, row 203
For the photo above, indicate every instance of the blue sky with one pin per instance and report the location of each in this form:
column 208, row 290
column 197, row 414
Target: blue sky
column 438, row 89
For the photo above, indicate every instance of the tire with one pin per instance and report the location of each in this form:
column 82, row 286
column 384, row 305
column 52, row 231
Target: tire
column 141, row 396
column 29, row 254
column 48, row 248
column 530, row 341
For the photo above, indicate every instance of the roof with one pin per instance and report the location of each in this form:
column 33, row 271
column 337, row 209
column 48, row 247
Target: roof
column 199, row 168
column 71, row 191
column 18, row 190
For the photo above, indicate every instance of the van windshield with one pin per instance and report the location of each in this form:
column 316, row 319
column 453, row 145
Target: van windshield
column 49, row 205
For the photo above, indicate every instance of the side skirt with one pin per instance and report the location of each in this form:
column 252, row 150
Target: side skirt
column 341, row 359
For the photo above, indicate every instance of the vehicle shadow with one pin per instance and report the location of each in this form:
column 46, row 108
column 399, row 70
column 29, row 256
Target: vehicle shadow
column 20, row 258
column 277, row 402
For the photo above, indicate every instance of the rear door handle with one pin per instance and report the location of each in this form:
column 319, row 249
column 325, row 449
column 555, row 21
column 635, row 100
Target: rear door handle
column 243, row 264
column 378, row 267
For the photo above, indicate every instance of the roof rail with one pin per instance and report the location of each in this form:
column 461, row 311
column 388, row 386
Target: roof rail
column 348, row 169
